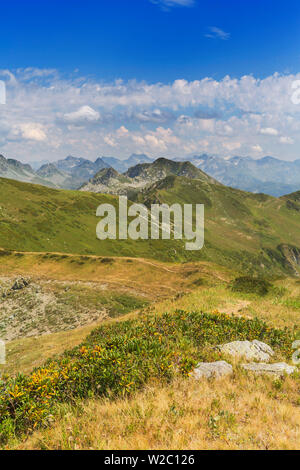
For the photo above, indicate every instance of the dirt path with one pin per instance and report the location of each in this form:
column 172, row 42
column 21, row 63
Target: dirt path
column 140, row 260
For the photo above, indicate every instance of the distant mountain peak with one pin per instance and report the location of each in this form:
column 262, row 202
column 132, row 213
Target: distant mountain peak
column 142, row 175
column 106, row 173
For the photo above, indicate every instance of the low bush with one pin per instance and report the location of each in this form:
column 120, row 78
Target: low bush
column 251, row 285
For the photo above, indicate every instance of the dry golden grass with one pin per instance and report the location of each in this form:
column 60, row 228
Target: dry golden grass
column 153, row 278
column 237, row 413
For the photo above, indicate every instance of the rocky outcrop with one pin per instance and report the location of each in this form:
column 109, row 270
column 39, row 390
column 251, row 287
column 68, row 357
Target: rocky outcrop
column 278, row 369
column 251, row 350
column 212, row 370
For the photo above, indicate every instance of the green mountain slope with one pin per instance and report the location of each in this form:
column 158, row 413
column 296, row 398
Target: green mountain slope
column 250, row 232
column 36, row 218
column 254, row 231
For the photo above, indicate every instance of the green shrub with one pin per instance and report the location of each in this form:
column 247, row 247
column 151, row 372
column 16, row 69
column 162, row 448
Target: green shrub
column 251, row 285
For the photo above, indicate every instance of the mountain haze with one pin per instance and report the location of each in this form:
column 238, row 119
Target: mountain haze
column 78, row 170
column 267, row 175
column 13, row 169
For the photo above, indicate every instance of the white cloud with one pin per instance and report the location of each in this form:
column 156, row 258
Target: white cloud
column 85, row 113
column 31, row 131
column 286, row 140
column 257, row 148
column 110, row 141
column 230, row 146
column 156, row 116
column 159, row 140
column 48, row 116
column 269, row 131
column 122, row 131
column 217, row 33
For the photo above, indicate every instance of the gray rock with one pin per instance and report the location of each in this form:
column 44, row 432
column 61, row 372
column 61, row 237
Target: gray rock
column 251, row 350
column 212, row 369
column 278, row 369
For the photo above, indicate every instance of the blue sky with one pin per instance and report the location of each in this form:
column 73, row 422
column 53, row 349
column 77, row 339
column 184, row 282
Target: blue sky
column 146, row 41
column 163, row 77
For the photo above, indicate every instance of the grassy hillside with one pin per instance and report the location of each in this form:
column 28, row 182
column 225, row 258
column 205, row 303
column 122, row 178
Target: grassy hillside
column 254, row 233
column 36, row 218
column 196, row 286
column 64, row 292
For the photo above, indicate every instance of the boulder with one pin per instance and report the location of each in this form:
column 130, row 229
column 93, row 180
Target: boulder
column 212, row 369
column 278, row 369
column 251, row 350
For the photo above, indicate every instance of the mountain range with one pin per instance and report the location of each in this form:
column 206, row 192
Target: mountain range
column 71, row 172
column 13, row 169
column 267, row 175
column 141, row 176
column 122, row 165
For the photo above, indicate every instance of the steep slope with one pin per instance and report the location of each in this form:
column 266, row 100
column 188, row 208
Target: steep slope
column 69, row 173
column 69, row 163
column 163, row 167
column 109, row 181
